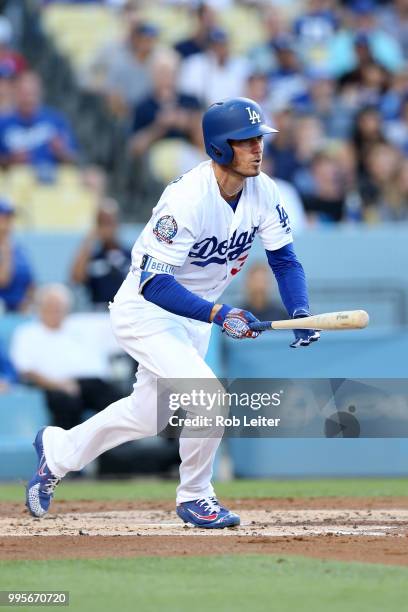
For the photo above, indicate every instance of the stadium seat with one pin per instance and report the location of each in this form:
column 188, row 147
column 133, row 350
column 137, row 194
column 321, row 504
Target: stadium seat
column 22, row 412
column 69, row 27
column 244, row 27
column 173, row 22
column 171, row 157
column 18, row 184
column 61, row 207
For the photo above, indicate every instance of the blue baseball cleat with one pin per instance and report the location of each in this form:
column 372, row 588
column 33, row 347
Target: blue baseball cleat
column 207, row 513
column 40, row 489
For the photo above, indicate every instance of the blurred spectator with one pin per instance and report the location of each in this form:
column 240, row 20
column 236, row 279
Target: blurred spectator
column 258, row 290
column 215, row 74
column 16, row 277
column 48, row 354
column 206, row 19
column 383, row 47
column 280, row 150
column 309, row 139
column 320, row 100
column 102, row 262
column 367, row 132
column 326, row 201
column 345, row 158
column 166, row 113
column 314, row 31
column 394, row 98
column 33, row 133
column 128, row 74
column 10, row 60
column 286, row 80
column 8, row 374
column 94, row 76
column 397, row 130
column 383, row 190
column 262, row 55
column 257, row 89
column 368, row 81
column 394, row 19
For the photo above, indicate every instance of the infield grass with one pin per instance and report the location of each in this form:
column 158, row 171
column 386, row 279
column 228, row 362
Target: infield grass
column 127, row 490
column 227, row 583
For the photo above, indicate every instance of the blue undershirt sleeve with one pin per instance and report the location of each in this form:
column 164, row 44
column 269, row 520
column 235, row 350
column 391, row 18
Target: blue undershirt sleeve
column 290, row 277
column 164, row 291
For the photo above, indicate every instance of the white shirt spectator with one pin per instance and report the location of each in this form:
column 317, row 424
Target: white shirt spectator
column 80, row 348
column 201, row 75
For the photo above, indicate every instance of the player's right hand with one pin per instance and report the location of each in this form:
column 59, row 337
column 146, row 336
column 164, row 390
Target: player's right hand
column 235, row 322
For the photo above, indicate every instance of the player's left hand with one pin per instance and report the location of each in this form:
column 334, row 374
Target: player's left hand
column 235, row 322
column 303, row 337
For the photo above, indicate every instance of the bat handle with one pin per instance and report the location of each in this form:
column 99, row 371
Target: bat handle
column 261, row 325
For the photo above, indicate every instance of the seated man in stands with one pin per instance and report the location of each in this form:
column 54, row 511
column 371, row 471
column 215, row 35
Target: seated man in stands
column 34, row 134
column 102, row 262
column 165, row 113
column 206, row 19
column 51, row 354
column 16, row 277
column 128, row 71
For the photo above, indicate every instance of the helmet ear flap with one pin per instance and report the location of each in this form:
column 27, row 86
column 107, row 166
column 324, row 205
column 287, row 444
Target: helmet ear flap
column 224, row 154
column 216, row 150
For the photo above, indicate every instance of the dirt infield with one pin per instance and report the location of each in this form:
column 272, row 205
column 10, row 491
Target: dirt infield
column 359, row 529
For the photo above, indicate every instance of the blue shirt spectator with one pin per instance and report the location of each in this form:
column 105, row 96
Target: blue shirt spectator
column 314, row 31
column 146, row 113
column 166, row 112
column 197, row 43
column 16, row 278
column 385, row 49
column 287, row 80
column 34, row 134
column 102, row 262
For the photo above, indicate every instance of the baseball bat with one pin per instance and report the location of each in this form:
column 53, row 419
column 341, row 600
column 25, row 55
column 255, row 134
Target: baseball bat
column 346, row 319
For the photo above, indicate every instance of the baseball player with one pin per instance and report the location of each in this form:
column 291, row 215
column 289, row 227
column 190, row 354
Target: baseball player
column 196, row 241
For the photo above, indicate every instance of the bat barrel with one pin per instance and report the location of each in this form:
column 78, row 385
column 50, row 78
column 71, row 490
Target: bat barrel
column 346, row 319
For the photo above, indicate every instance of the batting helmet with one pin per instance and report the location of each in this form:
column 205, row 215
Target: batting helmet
column 233, row 119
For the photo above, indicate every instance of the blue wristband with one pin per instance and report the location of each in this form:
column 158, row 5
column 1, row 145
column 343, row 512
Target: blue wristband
column 221, row 314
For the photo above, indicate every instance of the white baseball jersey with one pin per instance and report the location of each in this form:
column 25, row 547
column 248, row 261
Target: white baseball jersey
column 195, row 235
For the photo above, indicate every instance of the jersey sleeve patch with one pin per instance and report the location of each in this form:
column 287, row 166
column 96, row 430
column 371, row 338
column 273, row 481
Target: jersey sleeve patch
column 165, row 229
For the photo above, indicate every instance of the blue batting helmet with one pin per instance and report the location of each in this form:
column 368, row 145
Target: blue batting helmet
column 233, row 119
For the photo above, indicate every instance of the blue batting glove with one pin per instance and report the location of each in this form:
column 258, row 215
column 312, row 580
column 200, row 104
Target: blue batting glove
column 235, row 322
column 303, row 337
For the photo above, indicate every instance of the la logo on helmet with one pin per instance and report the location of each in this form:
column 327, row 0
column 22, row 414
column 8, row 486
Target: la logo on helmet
column 254, row 117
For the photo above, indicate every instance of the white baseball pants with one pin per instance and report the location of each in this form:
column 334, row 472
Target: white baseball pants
column 166, row 346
